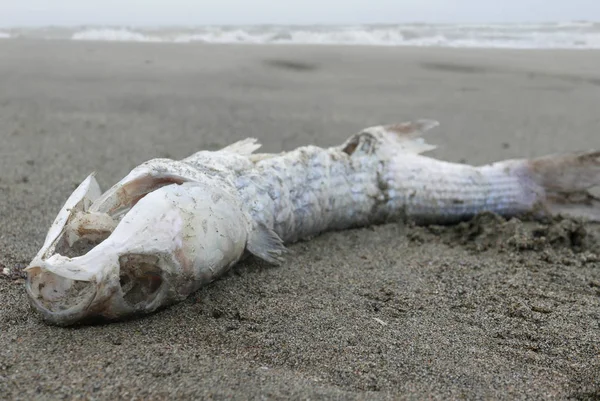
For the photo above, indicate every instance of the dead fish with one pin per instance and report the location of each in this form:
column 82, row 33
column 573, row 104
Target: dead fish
column 172, row 226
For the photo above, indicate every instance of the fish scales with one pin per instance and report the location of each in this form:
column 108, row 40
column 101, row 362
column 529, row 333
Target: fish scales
column 311, row 190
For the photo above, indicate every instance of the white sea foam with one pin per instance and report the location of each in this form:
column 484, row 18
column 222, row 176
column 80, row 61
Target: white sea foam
column 114, row 35
column 4, row 35
column 551, row 35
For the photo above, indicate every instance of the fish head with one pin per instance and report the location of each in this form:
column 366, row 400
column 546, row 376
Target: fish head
column 172, row 240
column 111, row 277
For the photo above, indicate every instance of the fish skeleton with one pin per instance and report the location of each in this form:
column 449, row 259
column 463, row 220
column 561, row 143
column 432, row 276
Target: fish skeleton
column 172, row 226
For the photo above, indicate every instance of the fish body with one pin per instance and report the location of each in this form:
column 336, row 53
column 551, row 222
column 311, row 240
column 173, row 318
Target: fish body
column 170, row 227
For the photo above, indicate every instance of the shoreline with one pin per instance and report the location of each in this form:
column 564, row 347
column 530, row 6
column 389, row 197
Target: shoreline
column 307, row 45
column 546, row 35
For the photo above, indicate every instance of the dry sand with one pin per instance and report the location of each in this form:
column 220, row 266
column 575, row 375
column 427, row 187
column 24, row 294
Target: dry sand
column 485, row 310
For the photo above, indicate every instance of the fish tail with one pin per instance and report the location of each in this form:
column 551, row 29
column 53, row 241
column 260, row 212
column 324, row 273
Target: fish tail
column 568, row 181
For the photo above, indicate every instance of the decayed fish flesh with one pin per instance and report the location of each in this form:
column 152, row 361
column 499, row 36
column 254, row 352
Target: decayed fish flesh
column 171, row 226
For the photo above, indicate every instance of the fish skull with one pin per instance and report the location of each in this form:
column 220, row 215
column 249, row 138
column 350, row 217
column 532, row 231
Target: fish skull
column 171, row 239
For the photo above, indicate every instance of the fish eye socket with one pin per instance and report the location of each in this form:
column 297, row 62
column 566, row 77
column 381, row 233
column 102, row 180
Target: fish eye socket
column 140, row 278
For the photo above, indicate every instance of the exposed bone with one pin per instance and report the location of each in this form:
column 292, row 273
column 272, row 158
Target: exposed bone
column 93, row 226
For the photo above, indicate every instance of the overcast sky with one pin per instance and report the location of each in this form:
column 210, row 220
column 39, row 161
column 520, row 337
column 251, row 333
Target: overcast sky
column 198, row 12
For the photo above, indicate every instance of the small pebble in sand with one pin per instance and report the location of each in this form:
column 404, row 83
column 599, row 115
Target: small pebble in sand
column 6, row 271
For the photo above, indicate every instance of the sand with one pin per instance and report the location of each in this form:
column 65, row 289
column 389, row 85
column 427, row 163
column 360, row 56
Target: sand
column 488, row 309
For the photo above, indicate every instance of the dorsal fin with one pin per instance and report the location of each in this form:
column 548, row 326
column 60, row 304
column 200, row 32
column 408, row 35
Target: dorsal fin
column 244, row 147
column 397, row 137
column 404, row 131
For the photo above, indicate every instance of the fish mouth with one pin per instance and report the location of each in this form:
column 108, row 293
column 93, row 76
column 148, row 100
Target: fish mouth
column 59, row 299
column 66, row 294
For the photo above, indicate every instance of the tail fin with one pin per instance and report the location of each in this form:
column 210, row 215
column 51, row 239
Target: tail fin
column 567, row 180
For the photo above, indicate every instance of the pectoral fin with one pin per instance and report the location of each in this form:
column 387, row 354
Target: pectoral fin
column 266, row 244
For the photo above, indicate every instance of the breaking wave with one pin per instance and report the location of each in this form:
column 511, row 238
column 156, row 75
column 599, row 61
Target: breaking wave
column 568, row 35
column 114, row 35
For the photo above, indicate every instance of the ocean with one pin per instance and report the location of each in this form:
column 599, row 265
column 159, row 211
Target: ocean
column 550, row 35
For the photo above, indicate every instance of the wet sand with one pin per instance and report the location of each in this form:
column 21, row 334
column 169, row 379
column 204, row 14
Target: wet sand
column 484, row 310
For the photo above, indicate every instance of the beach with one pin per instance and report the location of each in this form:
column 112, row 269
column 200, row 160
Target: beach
column 489, row 309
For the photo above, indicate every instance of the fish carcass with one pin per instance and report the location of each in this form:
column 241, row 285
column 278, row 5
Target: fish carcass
column 170, row 226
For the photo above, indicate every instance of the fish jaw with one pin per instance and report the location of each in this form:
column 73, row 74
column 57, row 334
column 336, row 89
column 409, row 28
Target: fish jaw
column 80, row 200
column 56, row 288
column 65, row 293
